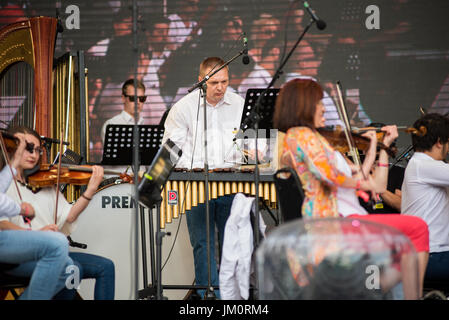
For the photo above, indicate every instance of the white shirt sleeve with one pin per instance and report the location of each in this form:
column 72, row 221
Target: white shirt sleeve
column 433, row 172
column 6, row 178
column 8, row 207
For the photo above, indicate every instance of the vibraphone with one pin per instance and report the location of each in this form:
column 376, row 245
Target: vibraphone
column 186, row 189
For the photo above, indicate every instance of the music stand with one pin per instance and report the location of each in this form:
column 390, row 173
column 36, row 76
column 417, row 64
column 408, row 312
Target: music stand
column 118, row 144
column 118, row 150
column 266, row 109
column 264, row 117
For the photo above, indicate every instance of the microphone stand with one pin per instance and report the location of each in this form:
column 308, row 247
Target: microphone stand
column 203, row 87
column 48, row 142
column 206, row 78
column 402, row 156
column 136, row 159
column 256, row 118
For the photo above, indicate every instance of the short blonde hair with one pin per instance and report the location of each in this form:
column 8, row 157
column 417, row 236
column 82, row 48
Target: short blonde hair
column 211, row 63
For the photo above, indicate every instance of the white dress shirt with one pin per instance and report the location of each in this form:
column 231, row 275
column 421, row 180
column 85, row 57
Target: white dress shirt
column 425, row 194
column 185, row 127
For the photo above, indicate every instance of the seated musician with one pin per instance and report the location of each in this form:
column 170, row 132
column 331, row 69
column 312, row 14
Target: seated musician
column 425, row 189
column 184, row 126
column 328, row 181
column 44, row 203
column 41, row 256
column 389, row 201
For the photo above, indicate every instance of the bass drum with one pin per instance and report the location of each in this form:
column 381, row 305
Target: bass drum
column 107, row 226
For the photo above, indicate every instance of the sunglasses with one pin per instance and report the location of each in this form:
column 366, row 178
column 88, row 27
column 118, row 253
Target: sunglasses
column 30, row 148
column 131, row 98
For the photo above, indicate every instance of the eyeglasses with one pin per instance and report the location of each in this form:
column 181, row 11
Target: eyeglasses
column 131, row 98
column 30, row 148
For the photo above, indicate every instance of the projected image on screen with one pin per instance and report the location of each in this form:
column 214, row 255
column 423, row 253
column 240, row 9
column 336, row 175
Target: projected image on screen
column 391, row 61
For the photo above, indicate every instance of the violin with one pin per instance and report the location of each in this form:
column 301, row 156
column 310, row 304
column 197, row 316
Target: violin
column 11, row 142
column 337, row 139
column 47, row 175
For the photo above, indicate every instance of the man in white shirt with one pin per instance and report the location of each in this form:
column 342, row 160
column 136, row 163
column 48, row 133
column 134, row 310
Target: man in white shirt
column 127, row 114
column 185, row 127
column 425, row 189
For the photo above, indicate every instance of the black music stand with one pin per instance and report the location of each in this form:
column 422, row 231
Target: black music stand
column 266, row 109
column 118, row 150
column 118, row 144
column 264, row 117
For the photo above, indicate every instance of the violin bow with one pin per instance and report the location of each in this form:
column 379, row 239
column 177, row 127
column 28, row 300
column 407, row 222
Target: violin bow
column 8, row 163
column 341, row 108
column 58, row 179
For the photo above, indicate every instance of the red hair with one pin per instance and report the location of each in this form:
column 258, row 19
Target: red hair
column 296, row 104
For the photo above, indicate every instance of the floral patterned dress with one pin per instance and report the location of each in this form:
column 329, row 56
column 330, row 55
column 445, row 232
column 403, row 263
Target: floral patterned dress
column 313, row 158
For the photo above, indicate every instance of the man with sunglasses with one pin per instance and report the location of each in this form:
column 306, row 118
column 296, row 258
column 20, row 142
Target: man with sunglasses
column 127, row 114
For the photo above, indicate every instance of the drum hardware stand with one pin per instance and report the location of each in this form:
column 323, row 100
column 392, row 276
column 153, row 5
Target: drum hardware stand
column 210, row 295
column 150, row 291
column 149, row 190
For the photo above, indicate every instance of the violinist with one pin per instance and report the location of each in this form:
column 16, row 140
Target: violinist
column 44, row 203
column 41, row 256
column 425, row 190
column 330, row 180
column 388, row 201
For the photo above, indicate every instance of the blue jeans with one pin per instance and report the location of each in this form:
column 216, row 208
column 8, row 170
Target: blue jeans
column 438, row 266
column 41, row 255
column 219, row 210
column 91, row 266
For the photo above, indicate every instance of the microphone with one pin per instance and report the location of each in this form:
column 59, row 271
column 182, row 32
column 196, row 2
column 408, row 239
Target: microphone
column 56, row 141
column 245, row 58
column 321, row 25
